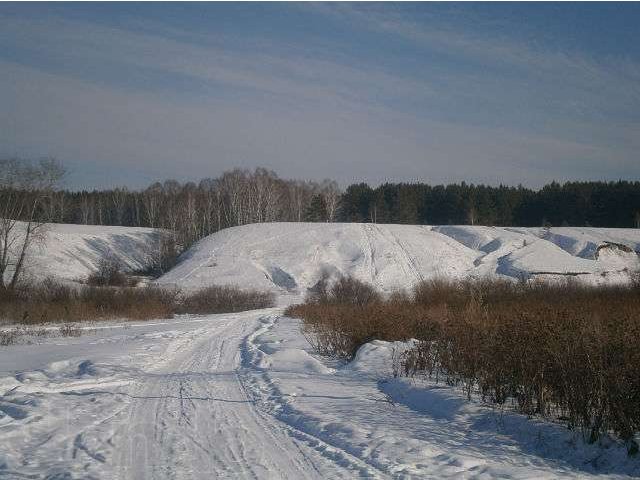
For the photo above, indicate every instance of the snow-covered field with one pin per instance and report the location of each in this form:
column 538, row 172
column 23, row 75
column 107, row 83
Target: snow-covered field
column 244, row 396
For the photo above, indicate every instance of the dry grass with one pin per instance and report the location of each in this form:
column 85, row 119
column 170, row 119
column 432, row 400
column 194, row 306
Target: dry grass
column 25, row 333
column 564, row 351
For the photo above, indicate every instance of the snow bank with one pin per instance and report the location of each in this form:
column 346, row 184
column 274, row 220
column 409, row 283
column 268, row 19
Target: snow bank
column 289, row 258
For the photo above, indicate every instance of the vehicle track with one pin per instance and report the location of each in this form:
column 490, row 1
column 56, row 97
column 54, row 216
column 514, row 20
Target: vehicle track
column 193, row 419
column 407, row 259
column 369, row 251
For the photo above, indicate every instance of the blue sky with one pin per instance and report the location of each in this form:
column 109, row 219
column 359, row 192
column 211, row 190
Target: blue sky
column 491, row 93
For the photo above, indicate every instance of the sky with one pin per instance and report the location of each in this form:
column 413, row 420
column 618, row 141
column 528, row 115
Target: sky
column 127, row 94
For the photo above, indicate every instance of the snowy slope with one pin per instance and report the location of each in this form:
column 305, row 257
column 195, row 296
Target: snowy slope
column 71, row 252
column 289, row 258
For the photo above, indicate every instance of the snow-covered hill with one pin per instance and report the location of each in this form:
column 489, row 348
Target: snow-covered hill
column 71, row 252
column 289, row 258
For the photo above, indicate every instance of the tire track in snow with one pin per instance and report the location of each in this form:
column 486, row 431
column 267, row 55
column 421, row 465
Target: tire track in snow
column 194, row 419
column 357, row 466
column 409, row 261
column 369, row 252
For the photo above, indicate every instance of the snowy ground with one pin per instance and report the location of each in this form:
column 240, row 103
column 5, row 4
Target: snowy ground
column 147, row 401
column 243, row 396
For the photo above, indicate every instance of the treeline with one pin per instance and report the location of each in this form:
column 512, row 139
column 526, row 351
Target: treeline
column 238, row 197
column 597, row 204
column 194, row 210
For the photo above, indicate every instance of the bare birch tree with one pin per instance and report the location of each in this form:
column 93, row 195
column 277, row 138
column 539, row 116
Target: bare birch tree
column 119, row 198
column 331, row 195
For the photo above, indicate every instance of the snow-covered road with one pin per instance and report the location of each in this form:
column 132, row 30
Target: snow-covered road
column 150, row 401
column 193, row 419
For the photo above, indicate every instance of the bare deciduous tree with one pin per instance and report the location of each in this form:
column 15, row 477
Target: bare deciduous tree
column 191, row 210
column 300, row 195
column 119, row 197
column 151, row 200
column 24, row 187
column 331, row 195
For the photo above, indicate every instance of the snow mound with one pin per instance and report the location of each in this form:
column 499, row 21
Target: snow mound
column 72, row 252
column 289, row 258
column 378, row 358
column 293, row 360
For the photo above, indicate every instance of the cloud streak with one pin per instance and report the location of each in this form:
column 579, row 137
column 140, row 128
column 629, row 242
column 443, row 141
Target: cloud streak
column 161, row 101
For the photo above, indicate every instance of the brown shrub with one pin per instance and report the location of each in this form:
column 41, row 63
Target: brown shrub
column 110, row 273
column 53, row 302
column 341, row 329
column 224, row 299
column 563, row 350
column 350, row 290
column 343, row 290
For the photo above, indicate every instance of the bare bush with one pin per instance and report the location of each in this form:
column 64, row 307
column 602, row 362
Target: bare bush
column 53, row 302
column 163, row 257
column 343, row 290
column 223, row 299
column 50, row 301
column 341, row 329
column 564, row 350
column 110, row 273
column 351, row 290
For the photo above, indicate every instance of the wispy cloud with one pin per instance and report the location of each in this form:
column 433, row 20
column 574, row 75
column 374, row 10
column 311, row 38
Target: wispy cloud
column 83, row 44
column 175, row 102
column 614, row 79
